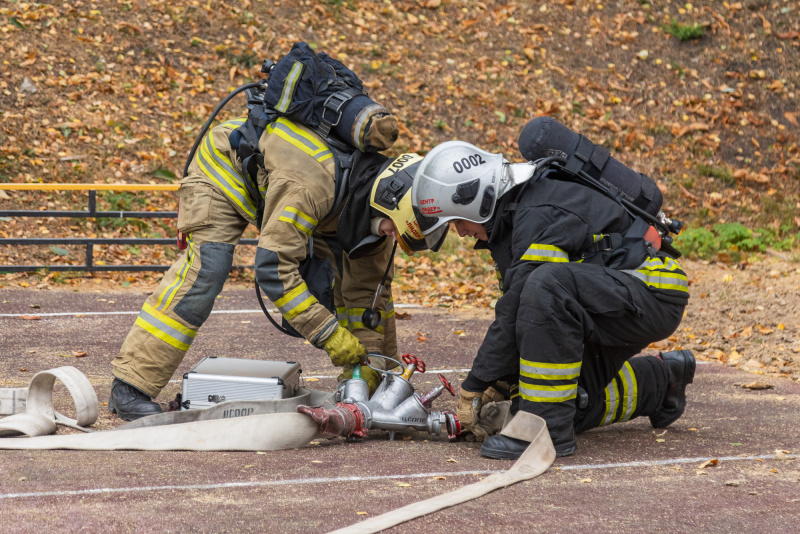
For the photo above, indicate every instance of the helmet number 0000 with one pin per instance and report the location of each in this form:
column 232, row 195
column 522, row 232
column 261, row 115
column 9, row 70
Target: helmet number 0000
column 467, row 163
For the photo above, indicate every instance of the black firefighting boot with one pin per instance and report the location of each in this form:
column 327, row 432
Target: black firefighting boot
column 502, row 447
column 681, row 365
column 129, row 403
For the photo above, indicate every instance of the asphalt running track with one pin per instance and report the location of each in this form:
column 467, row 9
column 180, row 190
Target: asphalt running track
column 624, row 478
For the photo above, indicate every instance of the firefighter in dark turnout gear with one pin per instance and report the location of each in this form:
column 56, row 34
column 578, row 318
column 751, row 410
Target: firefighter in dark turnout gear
column 581, row 297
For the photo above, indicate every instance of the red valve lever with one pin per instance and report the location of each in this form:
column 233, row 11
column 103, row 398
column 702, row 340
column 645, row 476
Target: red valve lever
column 446, row 385
column 418, row 364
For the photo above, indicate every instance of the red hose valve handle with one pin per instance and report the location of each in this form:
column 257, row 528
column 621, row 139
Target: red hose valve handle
column 418, row 364
column 446, row 385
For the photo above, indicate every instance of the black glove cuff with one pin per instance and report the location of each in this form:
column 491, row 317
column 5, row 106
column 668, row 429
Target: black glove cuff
column 475, row 385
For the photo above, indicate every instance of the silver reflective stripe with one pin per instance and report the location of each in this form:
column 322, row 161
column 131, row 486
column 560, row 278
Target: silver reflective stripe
column 360, row 125
column 297, row 220
column 289, row 85
column 629, row 393
column 223, row 181
column 612, row 402
column 295, row 302
column 547, row 253
column 569, row 372
column 654, row 279
column 164, row 327
column 302, row 140
column 530, row 391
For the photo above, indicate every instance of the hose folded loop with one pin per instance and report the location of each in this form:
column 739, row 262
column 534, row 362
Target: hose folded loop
column 40, row 418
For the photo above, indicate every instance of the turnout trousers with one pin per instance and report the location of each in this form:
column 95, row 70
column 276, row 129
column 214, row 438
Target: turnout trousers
column 578, row 327
column 172, row 315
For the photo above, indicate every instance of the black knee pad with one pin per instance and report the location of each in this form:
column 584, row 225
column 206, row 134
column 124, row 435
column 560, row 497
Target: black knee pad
column 216, row 260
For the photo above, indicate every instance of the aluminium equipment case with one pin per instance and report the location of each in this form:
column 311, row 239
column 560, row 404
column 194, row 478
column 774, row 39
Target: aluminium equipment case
column 213, row 380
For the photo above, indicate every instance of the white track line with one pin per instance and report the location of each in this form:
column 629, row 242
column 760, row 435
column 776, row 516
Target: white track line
column 81, row 314
column 301, row 481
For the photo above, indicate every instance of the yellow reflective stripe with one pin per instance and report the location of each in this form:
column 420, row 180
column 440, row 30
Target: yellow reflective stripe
column 299, row 219
column 549, row 371
column 354, row 316
column 234, row 123
column 304, row 141
column 537, row 393
column 661, row 279
column 612, row 401
column 165, row 328
column 541, row 252
column 630, row 393
column 289, row 85
column 219, row 169
column 653, row 264
column 341, row 316
column 168, row 294
column 597, row 237
column 295, row 301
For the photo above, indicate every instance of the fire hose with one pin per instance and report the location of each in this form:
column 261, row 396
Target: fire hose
column 210, row 430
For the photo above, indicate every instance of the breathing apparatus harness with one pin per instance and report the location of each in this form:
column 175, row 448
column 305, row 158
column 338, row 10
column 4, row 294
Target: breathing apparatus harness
column 244, row 140
column 655, row 229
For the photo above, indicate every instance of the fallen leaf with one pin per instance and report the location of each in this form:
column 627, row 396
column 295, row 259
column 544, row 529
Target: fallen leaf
column 586, row 480
column 422, row 339
column 31, row 317
column 404, row 484
column 362, row 513
column 452, row 460
column 79, row 353
column 22, row 369
column 311, row 379
column 708, row 463
column 316, row 461
column 756, row 385
column 791, row 117
column 402, row 316
column 439, row 478
column 732, row 483
column 661, row 440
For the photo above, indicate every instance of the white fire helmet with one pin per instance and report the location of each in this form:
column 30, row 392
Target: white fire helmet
column 457, row 180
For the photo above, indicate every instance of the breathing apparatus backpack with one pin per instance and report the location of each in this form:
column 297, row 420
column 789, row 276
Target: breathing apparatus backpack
column 550, row 143
column 319, row 92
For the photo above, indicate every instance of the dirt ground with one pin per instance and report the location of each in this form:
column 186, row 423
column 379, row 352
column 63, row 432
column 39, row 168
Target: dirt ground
column 720, row 468
column 745, row 315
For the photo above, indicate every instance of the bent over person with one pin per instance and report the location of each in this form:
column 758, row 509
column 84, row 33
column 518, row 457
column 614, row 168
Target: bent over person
column 581, row 296
column 297, row 185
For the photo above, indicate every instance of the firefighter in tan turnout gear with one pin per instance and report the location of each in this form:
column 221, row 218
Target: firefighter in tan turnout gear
column 297, row 183
column 583, row 289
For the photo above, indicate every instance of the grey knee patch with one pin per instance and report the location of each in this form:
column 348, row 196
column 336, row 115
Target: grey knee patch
column 215, row 264
column 267, row 273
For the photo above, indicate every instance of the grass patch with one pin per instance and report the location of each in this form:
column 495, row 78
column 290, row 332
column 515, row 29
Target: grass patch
column 684, row 32
column 733, row 239
column 720, row 172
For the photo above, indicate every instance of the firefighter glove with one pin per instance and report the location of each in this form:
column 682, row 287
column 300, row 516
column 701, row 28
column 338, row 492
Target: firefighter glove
column 469, row 408
column 370, row 376
column 344, row 348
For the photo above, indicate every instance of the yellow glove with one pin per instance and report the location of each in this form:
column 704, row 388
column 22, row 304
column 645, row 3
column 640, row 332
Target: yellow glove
column 372, row 377
column 344, row 348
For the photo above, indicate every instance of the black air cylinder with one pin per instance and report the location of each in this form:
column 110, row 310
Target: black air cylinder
column 544, row 136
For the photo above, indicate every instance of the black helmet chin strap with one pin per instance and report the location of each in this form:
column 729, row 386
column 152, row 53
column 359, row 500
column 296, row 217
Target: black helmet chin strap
column 371, row 317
